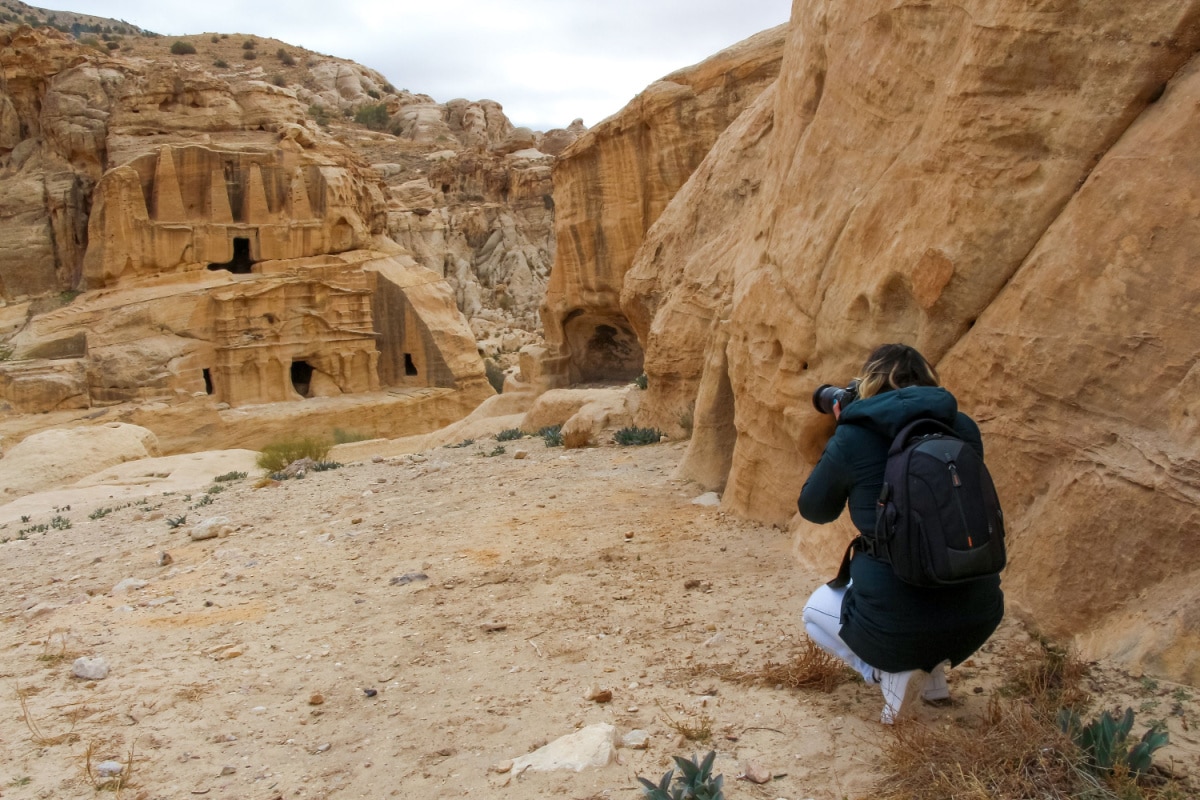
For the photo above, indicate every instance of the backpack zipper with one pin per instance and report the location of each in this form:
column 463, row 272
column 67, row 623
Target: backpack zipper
column 956, row 481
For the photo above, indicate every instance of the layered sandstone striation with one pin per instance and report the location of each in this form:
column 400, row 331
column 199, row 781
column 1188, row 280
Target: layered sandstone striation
column 614, row 182
column 1012, row 190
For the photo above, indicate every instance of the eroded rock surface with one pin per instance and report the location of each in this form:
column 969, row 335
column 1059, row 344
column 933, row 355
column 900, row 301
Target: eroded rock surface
column 612, row 184
column 1009, row 189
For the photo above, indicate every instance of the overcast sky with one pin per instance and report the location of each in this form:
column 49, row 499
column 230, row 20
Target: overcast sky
column 546, row 61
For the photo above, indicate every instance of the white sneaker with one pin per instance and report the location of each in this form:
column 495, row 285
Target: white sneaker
column 895, row 686
column 936, row 689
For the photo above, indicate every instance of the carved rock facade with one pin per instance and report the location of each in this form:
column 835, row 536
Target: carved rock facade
column 235, row 254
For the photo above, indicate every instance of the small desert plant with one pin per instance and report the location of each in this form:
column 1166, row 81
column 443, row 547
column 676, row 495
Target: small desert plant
column 808, row 667
column 278, row 454
column 319, row 115
column 509, row 434
column 279, row 79
column 551, row 435
column 325, row 466
column 1105, row 742
column 60, row 523
column 463, row 443
column 215, row 39
column 203, row 500
column 216, row 488
column 249, row 44
column 100, row 513
column 498, row 450
column 341, row 436
column 374, row 117
column 249, row 55
column 182, row 48
column 633, row 436
column 176, row 522
column 229, row 476
column 221, row 63
column 694, row 782
column 642, row 381
column 285, row 57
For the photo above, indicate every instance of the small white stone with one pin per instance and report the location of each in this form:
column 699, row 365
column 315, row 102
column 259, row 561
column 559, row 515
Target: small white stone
column 109, row 769
column 91, row 669
column 636, row 740
column 707, row 499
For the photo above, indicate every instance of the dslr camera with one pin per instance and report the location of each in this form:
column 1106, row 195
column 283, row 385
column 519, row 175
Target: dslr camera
column 827, row 395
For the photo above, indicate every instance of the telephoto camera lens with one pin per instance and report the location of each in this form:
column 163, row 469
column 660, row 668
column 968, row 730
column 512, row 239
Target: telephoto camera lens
column 826, row 396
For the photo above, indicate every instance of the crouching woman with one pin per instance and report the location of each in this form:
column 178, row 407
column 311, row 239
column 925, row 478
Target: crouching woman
column 888, row 630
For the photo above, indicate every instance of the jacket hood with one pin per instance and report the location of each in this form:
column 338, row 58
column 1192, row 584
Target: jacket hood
column 888, row 413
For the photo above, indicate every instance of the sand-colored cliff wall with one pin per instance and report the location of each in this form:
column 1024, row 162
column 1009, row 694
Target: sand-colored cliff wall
column 1007, row 187
column 615, row 181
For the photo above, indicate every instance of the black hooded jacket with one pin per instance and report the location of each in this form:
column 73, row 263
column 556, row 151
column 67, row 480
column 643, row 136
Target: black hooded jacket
column 892, row 625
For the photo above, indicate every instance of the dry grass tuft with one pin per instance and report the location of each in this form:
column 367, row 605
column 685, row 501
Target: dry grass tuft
column 1016, row 749
column 696, row 729
column 809, row 667
column 192, row 692
column 1011, row 752
column 116, row 783
column 1048, row 677
column 36, row 735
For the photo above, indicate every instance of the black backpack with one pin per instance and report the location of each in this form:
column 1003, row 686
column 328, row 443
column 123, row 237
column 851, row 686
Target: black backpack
column 938, row 520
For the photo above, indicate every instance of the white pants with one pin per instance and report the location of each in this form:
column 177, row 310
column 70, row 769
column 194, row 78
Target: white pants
column 823, row 621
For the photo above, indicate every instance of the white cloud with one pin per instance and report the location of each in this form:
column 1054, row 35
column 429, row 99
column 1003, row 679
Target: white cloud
column 546, row 61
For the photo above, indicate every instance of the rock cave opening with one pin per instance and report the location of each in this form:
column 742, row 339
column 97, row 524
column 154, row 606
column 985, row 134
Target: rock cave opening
column 240, row 264
column 409, row 367
column 603, row 348
column 208, row 384
column 302, row 373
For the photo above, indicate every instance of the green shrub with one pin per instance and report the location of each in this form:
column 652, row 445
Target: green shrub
column 319, row 115
column 637, row 436
column 278, row 454
column 182, row 48
column 285, row 57
column 249, row 55
column 498, row 450
column 1105, row 742
column 551, row 435
column 495, row 374
column 695, row 781
column 642, row 381
column 374, row 117
column 249, row 44
column 229, row 476
column 221, row 63
column 509, row 434
column 176, row 522
column 60, row 523
column 279, row 79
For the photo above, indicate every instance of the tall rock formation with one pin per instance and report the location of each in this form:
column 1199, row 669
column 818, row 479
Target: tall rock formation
column 1010, row 188
column 614, row 182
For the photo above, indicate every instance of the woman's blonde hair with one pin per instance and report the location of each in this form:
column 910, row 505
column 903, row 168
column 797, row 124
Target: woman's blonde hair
column 894, row 366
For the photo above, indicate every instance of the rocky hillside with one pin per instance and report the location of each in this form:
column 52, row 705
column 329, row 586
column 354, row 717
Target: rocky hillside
column 1012, row 191
column 467, row 195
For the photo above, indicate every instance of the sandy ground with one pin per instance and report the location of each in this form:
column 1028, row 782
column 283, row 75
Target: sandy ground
column 547, row 576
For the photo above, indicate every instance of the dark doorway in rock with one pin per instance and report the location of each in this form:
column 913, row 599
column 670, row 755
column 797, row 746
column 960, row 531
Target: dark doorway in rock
column 409, row 367
column 240, row 264
column 208, row 386
column 302, row 378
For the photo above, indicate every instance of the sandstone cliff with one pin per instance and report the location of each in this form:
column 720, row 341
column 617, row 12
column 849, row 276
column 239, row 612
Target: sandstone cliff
column 614, row 182
column 1011, row 189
